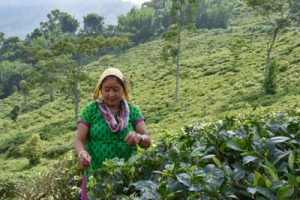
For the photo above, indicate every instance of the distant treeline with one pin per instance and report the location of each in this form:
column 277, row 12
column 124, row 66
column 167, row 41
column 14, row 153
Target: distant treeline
column 138, row 25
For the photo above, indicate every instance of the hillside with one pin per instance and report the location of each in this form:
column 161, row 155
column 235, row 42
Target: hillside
column 210, row 87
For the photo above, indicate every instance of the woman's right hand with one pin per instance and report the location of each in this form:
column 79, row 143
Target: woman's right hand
column 84, row 159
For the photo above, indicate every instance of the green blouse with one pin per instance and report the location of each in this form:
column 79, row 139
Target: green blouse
column 101, row 143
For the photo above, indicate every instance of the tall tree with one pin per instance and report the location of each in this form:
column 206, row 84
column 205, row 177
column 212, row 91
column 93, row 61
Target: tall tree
column 182, row 18
column 10, row 77
column 9, row 49
column 75, row 52
column 57, row 23
column 137, row 24
column 278, row 15
column 93, row 24
column 68, row 23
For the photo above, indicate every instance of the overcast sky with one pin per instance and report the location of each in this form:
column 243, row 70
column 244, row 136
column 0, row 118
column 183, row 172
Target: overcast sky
column 20, row 17
column 137, row 2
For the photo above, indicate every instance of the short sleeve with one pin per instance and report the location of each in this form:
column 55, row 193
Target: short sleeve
column 135, row 115
column 85, row 117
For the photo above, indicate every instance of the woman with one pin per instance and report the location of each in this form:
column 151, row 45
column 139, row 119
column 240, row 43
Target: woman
column 109, row 126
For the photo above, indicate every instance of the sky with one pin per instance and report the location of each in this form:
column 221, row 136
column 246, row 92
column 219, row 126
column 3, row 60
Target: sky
column 136, row 2
column 21, row 17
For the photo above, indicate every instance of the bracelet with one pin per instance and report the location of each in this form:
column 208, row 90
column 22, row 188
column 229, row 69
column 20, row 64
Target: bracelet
column 142, row 138
column 81, row 152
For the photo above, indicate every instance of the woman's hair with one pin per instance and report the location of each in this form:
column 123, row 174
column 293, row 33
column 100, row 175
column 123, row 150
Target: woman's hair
column 99, row 87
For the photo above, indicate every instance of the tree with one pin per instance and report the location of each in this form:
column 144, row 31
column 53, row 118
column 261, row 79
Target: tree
column 93, row 24
column 9, row 49
column 75, row 52
column 278, row 15
column 68, row 23
column 24, row 89
column 181, row 16
column 10, row 77
column 270, row 82
column 33, row 149
column 44, row 71
column 58, row 23
column 137, row 24
column 296, row 11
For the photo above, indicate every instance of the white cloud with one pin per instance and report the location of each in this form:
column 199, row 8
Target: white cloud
column 136, row 2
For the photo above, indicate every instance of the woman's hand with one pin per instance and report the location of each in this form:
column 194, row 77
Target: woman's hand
column 84, row 159
column 133, row 138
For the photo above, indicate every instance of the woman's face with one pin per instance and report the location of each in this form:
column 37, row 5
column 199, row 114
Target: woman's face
column 112, row 91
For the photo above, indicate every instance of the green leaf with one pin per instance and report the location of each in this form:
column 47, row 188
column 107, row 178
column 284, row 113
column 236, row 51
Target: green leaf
column 256, row 178
column 184, row 178
column 199, row 151
column 267, row 193
column 285, row 191
column 277, row 155
column 279, row 139
column 248, row 159
column 271, row 170
column 238, row 174
column 233, row 145
column 145, row 185
column 217, row 162
column 173, row 185
column 214, row 177
column 223, row 147
column 292, row 180
column 268, row 183
column 291, row 160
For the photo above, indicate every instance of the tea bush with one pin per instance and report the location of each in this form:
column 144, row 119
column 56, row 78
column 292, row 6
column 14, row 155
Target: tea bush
column 246, row 157
column 58, row 181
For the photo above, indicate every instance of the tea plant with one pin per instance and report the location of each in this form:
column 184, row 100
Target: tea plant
column 249, row 157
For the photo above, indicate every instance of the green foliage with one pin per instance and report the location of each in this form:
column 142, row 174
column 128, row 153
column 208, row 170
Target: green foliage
column 10, row 77
column 243, row 157
column 59, row 181
column 14, row 113
column 210, row 89
column 93, row 24
column 56, row 151
column 236, row 47
column 270, row 82
column 137, row 25
column 33, row 149
column 9, row 49
column 8, row 184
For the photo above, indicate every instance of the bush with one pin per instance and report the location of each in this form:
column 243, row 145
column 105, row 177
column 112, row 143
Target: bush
column 33, row 149
column 250, row 157
column 8, row 184
column 59, row 181
column 55, row 151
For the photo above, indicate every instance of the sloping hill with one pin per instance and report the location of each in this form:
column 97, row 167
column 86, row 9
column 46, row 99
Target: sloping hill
column 210, row 87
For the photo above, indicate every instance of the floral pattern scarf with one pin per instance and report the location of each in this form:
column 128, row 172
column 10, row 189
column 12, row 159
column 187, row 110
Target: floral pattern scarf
column 116, row 126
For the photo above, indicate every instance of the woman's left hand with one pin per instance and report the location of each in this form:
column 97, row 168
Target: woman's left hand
column 133, row 138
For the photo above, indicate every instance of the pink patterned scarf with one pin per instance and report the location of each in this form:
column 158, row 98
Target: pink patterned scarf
column 123, row 116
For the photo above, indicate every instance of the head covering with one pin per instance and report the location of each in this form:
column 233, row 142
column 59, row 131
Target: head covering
column 111, row 72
